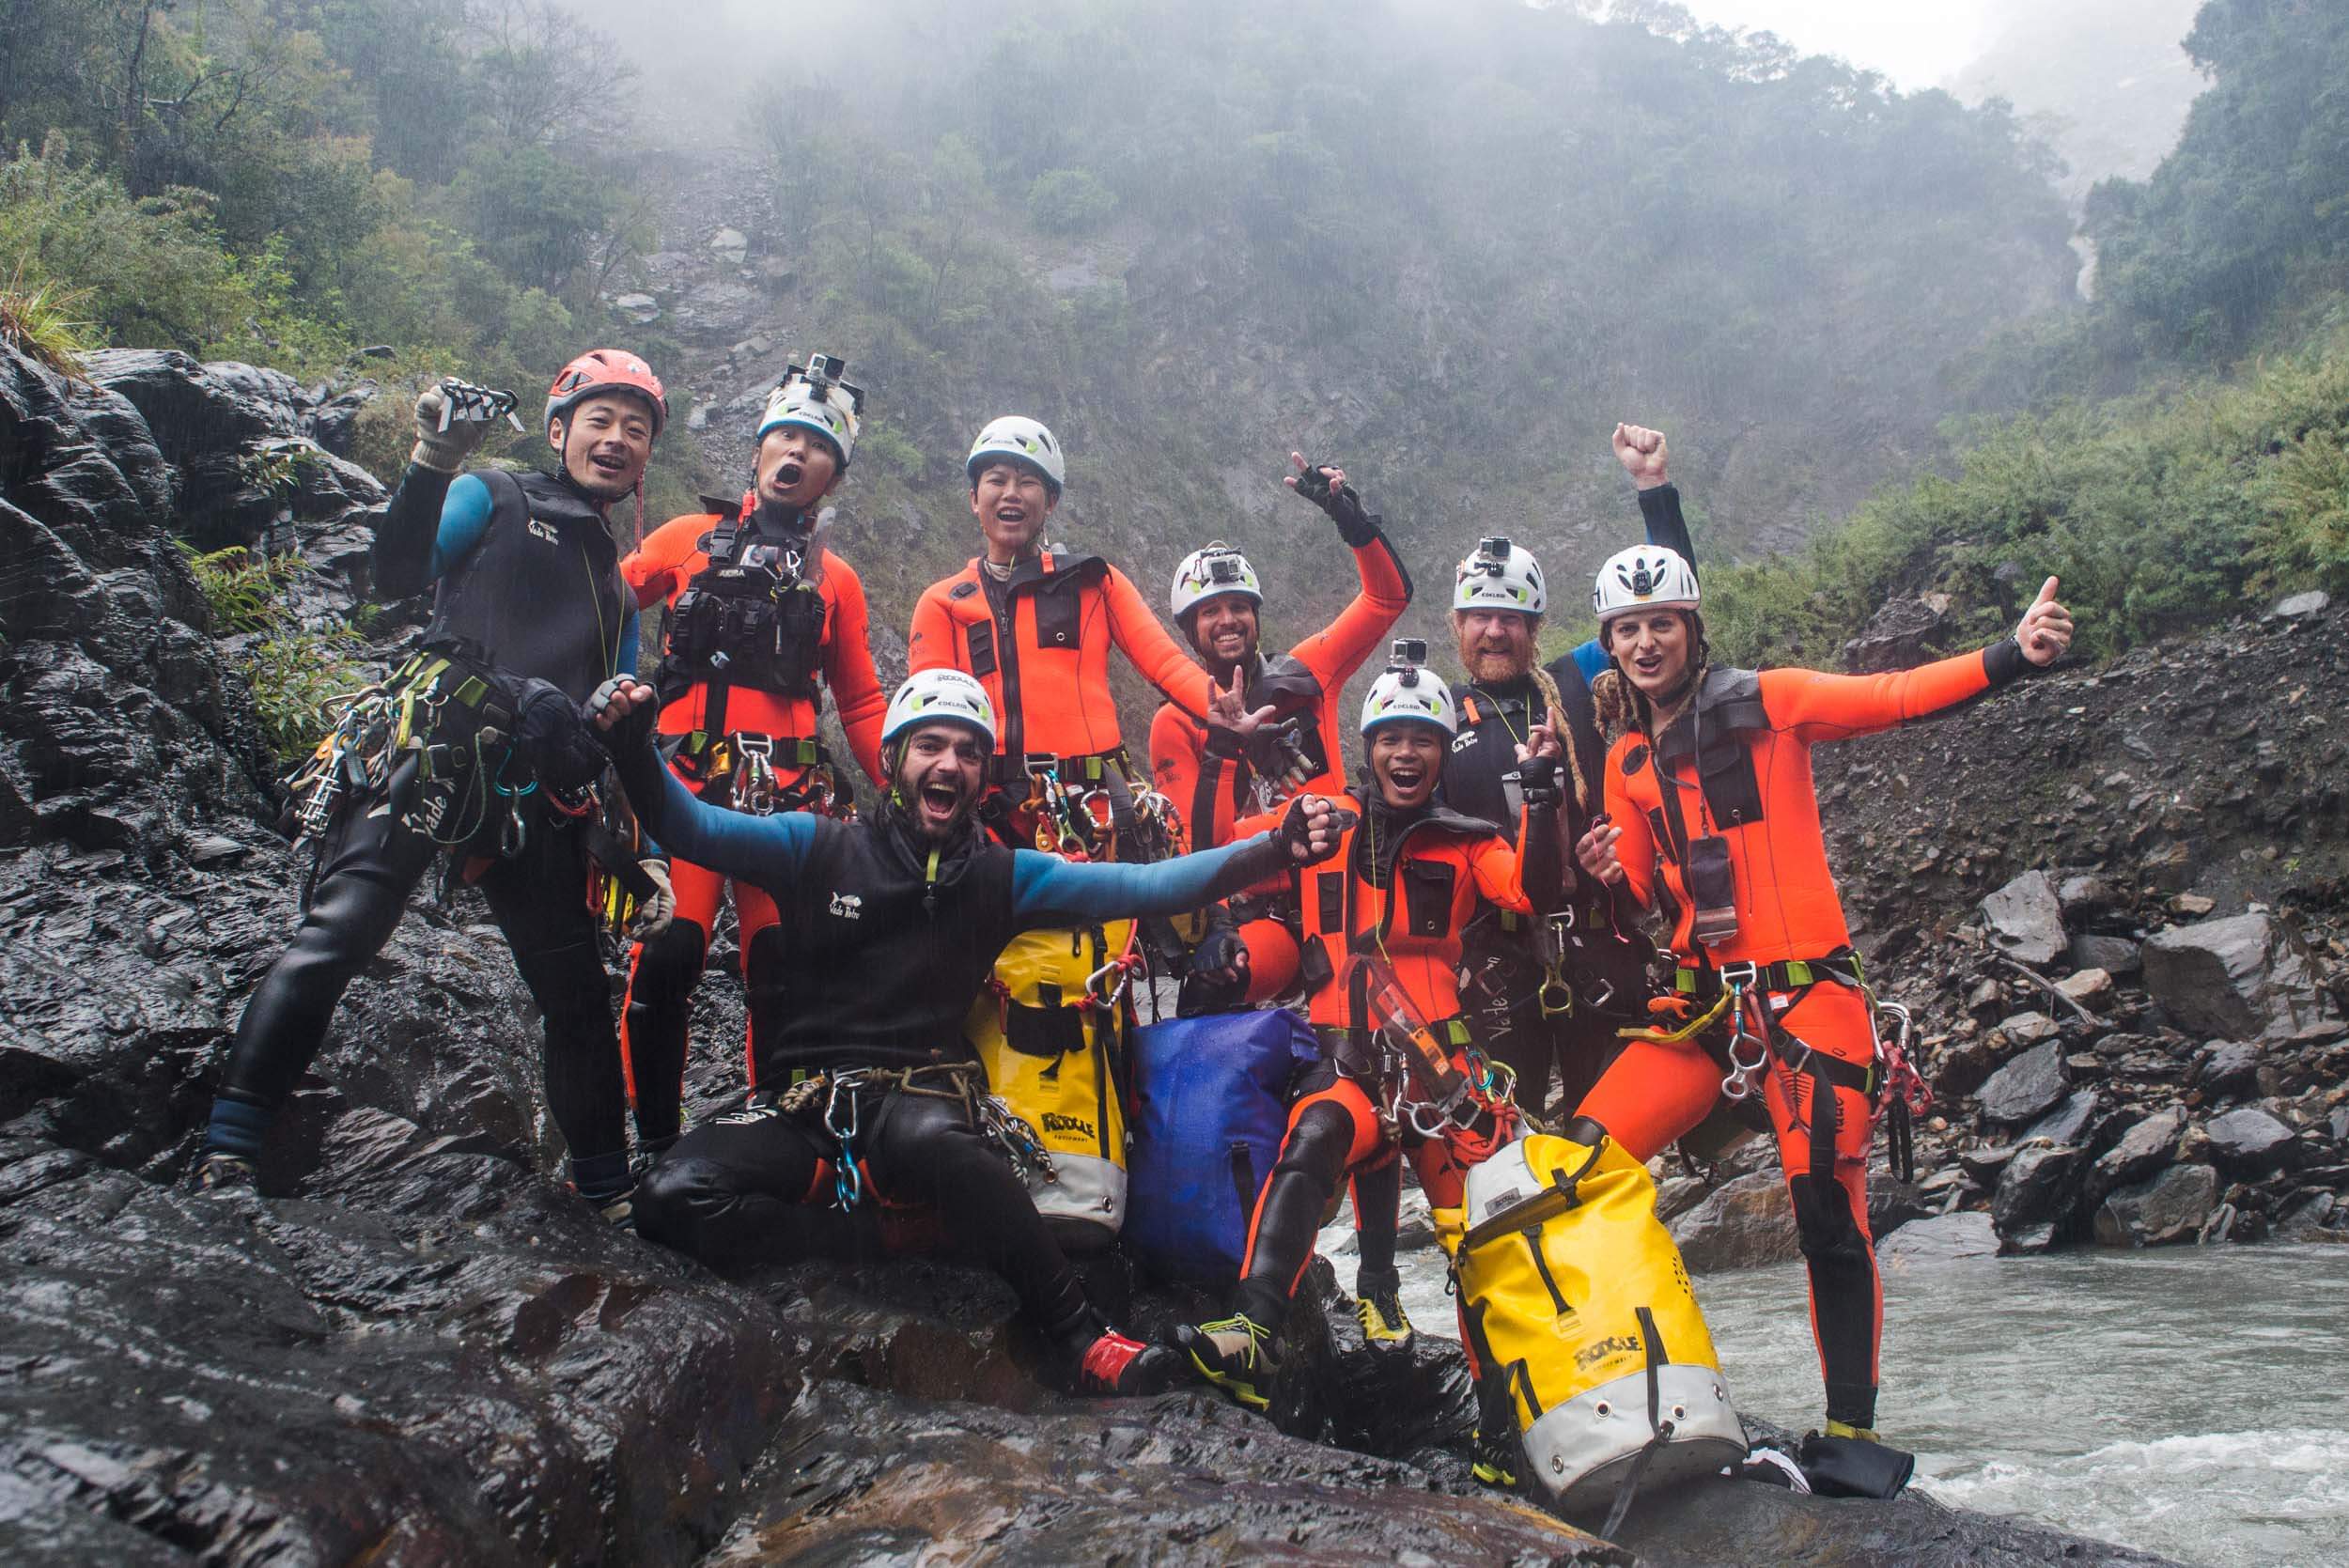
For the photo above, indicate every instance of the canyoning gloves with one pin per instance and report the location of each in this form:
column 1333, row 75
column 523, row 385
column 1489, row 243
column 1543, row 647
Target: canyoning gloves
column 1297, row 834
column 1355, row 526
column 1221, row 958
column 1537, row 780
column 632, row 730
column 654, row 914
column 453, row 420
column 1378, row 1307
column 561, row 751
column 1235, row 1355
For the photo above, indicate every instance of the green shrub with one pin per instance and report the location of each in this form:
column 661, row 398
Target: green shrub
column 1070, row 201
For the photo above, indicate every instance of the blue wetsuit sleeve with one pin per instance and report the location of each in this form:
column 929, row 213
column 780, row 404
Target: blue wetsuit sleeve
column 625, row 664
column 464, row 518
column 1591, row 659
column 769, row 851
column 1048, row 891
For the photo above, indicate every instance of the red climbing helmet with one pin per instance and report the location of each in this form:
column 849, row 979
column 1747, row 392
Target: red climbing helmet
column 601, row 370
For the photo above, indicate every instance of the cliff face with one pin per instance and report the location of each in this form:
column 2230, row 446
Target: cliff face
column 423, row 1350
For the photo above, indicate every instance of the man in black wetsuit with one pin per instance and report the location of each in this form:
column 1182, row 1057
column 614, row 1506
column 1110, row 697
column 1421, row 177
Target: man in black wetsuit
column 474, row 746
column 891, row 925
column 1543, row 990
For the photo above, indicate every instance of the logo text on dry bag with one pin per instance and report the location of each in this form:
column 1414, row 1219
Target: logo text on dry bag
column 848, row 905
column 1613, row 1344
column 1055, row 1121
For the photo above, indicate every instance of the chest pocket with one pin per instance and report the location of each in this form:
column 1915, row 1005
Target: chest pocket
column 1059, row 602
column 1427, row 896
column 1731, row 792
column 1330, row 890
column 980, row 638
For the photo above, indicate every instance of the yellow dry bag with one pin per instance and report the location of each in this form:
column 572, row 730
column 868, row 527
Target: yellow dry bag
column 1051, row 1046
column 1572, row 1291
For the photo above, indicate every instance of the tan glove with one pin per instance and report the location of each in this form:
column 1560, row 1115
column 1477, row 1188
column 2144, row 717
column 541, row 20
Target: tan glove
column 654, row 914
column 442, row 443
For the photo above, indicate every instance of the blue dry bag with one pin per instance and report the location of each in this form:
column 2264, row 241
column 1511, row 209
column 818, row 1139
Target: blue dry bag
column 1212, row 1102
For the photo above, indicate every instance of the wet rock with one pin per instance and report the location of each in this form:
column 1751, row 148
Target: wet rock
column 2237, row 978
column 1745, row 1223
column 1985, row 1165
column 2115, row 956
column 2249, row 1140
column 1959, row 1066
column 2141, row 1150
column 2314, row 1216
column 2039, row 1188
column 2028, row 1028
column 1967, row 1234
column 2228, row 1067
column 2087, row 894
column 2171, row 1207
column 2068, row 1122
column 2026, row 919
column 2027, row 1087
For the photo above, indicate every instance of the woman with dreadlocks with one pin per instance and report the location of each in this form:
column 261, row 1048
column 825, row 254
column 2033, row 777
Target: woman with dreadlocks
column 1713, row 821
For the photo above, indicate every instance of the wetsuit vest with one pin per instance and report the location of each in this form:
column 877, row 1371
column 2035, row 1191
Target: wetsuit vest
column 871, row 975
column 540, row 594
column 1441, row 863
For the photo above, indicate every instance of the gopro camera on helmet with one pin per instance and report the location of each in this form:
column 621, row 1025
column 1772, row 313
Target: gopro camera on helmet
column 1222, row 569
column 823, row 373
column 1407, row 654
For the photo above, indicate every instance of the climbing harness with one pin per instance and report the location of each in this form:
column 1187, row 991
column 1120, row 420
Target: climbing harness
column 838, row 1101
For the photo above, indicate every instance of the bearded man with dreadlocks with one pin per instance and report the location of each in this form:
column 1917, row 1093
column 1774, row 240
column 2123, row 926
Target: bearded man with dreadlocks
column 1713, row 821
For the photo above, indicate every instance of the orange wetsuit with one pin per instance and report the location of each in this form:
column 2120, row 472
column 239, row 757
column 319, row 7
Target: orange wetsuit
column 1753, row 734
column 1442, row 863
column 1211, row 782
column 711, row 722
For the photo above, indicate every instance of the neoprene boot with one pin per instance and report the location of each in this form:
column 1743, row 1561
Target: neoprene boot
column 1378, row 1306
column 1235, row 1355
column 1101, row 1361
column 1850, row 1462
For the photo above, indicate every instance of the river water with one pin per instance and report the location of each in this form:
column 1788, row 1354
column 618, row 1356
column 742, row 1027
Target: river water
column 2184, row 1401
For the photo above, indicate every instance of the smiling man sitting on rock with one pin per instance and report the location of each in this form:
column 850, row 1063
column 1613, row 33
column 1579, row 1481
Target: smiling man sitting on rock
column 891, row 925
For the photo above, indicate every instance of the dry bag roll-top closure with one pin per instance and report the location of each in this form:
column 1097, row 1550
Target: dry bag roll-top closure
column 1572, row 1291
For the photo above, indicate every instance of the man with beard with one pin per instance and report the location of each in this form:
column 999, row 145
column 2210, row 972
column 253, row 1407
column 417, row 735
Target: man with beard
column 762, row 617
column 1211, row 775
column 1542, row 989
column 474, row 746
column 893, row 924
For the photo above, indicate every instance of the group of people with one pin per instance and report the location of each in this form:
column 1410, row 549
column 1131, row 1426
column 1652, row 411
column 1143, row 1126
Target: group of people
column 1462, row 918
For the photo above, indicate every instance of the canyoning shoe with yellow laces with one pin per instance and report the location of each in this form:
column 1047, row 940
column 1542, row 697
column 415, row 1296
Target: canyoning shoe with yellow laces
column 1118, row 1367
column 1235, row 1355
column 1493, row 1458
column 1378, row 1307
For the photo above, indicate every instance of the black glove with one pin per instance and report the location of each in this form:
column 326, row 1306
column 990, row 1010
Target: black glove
column 1295, row 836
column 633, row 731
column 1537, row 780
column 553, row 736
column 1218, row 952
column 1355, row 526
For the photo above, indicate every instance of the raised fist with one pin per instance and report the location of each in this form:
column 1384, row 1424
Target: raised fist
column 1642, row 453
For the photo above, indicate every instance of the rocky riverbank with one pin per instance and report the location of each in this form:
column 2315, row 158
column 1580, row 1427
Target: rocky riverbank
column 423, row 1350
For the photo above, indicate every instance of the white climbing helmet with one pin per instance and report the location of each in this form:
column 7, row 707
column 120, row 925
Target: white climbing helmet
column 931, row 695
column 1499, row 575
column 1022, row 439
column 1408, row 691
column 813, row 397
column 1211, row 573
column 1646, row 577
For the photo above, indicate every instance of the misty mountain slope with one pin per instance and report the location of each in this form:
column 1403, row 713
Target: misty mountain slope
column 1448, row 246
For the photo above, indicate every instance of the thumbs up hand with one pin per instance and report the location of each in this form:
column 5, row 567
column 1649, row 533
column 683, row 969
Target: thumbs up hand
column 2045, row 630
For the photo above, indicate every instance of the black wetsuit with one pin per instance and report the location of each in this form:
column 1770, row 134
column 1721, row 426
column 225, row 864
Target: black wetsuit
column 1502, row 952
column 529, row 586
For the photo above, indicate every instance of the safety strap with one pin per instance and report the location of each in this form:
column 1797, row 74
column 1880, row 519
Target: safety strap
column 1629, row 1486
column 1840, row 967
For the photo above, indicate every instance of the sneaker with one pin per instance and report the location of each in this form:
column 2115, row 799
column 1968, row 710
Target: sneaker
column 1235, row 1355
column 1493, row 1457
column 1380, row 1308
column 221, row 1174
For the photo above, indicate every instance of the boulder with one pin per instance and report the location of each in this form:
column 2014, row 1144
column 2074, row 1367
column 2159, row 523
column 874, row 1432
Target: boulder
column 2171, row 1207
column 2026, row 919
column 2087, row 894
column 2301, row 606
column 2115, row 956
column 1967, row 1234
column 2238, row 978
column 2250, row 1142
column 1899, row 636
column 2143, row 1150
column 2067, row 1122
column 2040, row 1187
column 2229, row 1067
column 2027, row 1028
column 730, row 245
column 1747, row 1222
column 2026, row 1088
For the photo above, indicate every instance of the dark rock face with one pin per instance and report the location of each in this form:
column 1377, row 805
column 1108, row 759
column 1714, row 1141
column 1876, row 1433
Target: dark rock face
column 2037, row 1189
column 2249, row 1140
column 2026, row 1088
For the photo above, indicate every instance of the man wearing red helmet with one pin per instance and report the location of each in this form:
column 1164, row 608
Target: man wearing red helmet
column 472, row 746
